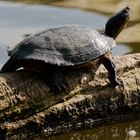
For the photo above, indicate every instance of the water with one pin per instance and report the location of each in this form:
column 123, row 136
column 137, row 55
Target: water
column 118, row 131
column 20, row 19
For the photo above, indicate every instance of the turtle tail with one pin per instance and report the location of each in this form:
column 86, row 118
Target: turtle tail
column 10, row 65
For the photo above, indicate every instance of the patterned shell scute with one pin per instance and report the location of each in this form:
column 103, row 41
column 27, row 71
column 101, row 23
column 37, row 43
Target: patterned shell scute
column 64, row 45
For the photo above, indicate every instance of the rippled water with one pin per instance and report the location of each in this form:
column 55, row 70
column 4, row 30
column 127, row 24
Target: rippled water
column 17, row 20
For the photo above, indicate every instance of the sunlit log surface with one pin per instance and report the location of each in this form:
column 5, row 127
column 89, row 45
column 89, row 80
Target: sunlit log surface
column 27, row 105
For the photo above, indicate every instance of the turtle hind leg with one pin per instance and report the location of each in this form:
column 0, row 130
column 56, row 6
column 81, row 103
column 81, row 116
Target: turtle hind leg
column 112, row 74
column 56, row 81
column 10, row 65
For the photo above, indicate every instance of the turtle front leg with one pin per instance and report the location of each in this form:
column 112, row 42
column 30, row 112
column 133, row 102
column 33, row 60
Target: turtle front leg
column 112, row 74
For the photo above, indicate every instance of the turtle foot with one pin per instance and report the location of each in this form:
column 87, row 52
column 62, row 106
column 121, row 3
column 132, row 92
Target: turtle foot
column 118, row 84
column 57, row 84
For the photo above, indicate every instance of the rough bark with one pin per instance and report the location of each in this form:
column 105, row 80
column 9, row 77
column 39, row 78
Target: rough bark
column 27, row 105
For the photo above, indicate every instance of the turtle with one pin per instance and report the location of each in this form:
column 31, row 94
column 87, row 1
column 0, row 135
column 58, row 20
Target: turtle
column 66, row 48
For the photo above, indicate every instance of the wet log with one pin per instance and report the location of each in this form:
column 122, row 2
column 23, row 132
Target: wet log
column 27, row 104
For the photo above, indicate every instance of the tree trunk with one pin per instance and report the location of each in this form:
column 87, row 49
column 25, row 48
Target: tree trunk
column 27, row 105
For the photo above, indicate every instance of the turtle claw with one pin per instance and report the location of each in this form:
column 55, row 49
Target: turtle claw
column 64, row 86
column 118, row 83
column 57, row 84
column 59, row 87
column 56, row 89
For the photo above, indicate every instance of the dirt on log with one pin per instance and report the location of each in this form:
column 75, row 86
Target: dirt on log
column 27, row 104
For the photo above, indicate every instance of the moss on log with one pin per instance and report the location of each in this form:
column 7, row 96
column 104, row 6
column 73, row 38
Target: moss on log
column 27, row 105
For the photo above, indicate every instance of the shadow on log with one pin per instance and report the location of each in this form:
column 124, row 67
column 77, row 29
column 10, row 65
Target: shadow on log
column 27, row 105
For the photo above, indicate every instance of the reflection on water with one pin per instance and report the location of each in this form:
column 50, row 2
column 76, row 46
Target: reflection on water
column 119, row 131
column 19, row 19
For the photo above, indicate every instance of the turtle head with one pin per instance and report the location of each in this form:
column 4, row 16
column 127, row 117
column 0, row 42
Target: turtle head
column 117, row 22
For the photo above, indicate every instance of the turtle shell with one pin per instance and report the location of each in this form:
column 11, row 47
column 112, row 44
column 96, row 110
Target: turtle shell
column 64, row 46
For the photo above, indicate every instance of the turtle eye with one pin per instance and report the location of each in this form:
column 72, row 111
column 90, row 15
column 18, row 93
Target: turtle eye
column 127, row 10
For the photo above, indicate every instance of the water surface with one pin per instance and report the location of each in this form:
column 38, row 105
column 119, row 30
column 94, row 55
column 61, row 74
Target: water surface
column 118, row 131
